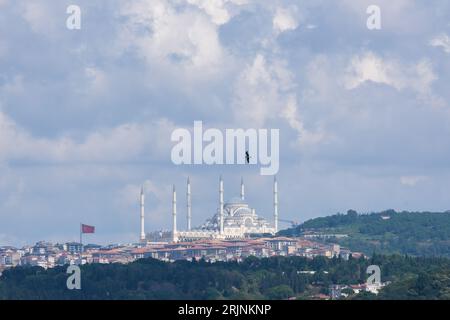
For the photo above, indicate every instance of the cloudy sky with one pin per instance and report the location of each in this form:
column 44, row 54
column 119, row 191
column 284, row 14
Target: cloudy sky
column 86, row 115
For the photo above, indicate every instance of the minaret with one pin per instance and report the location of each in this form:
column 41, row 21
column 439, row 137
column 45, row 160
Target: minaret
column 221, row 205
column 142, row 238
column 275, row 203
column 242, row 189
column 188, row 195
column 174, row 215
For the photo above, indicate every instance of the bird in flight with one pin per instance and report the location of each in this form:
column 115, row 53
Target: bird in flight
column 247, row 157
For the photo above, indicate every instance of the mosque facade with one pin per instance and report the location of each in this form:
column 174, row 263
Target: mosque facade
column 234, row 219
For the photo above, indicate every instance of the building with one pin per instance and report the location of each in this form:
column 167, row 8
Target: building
column 43, row 248
column 234, row 219
column 10, row 257
column 74, row 247
column 336, row 291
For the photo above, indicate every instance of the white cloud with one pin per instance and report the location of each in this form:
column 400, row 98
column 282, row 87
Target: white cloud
column 97, row 78
column 217, row 9
column 122, row 143
column 195, row 58
column 284, row 20
column 369, row 67
column 412, row 181
column 291, row 115
column 43, row 17
column 168, row 37
column 441, row 41
column 266, row 91
column 259, row 92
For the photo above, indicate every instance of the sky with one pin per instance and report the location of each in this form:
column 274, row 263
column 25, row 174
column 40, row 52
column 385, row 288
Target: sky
column 86, row 115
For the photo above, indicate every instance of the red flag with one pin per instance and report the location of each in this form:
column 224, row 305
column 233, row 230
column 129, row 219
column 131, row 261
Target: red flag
column 87, row 229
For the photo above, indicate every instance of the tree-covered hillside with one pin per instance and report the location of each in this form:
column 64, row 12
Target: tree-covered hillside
column 413, row 233
column 270, row 278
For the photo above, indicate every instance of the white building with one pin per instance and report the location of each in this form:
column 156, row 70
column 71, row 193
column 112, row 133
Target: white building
column 234, row 219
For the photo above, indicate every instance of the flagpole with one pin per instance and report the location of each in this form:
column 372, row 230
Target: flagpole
column 81, row 242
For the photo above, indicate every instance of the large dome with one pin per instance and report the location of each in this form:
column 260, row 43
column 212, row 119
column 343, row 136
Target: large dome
column 240, row 212
column 236, row 200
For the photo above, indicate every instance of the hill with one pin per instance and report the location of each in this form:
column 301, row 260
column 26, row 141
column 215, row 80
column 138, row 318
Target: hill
column 268, row 278
column 388, row 232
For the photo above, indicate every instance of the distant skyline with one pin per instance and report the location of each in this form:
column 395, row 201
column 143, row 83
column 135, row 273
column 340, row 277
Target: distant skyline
column 86, row 115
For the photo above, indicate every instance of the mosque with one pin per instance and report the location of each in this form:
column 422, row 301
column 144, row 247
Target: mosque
column 234, row 219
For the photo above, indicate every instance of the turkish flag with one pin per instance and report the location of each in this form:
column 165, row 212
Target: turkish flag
column 87, row 229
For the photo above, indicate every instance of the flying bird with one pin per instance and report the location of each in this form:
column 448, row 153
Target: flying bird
column 247, row 157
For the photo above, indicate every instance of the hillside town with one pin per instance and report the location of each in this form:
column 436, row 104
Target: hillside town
column 49, row 255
